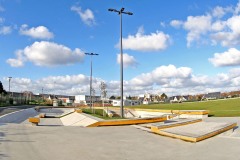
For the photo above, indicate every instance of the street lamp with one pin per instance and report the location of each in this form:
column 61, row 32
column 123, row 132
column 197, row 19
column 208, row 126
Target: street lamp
column 120, row 12
column 9, row 82
column 91, row 54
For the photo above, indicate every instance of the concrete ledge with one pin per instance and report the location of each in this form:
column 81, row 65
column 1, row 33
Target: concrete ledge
column 42, row 115
column 78, row 110
column 174, row 124
column 195, row 132
column 34, row 120
column 128, row 121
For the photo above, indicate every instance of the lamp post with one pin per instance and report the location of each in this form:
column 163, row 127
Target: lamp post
column 9, row 83
column 120, row 12
column 42, row 95
column 91, row 100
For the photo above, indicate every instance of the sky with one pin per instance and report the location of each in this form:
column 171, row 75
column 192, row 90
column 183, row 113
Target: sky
column 192, row 47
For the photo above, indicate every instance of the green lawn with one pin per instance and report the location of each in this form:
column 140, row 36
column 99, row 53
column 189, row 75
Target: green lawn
column 217, row 108
column 99, row 114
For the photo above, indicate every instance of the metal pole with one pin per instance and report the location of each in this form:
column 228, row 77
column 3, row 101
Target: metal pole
column 42, row 95
column 9, row 82
column 91, row 86
column 120, row 12
column 91, row 100
column 121, row 70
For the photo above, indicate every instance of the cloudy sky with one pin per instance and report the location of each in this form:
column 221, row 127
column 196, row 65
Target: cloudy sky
column 188, row 48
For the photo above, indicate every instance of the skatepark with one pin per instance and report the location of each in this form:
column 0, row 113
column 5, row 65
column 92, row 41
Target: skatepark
column 65, row 133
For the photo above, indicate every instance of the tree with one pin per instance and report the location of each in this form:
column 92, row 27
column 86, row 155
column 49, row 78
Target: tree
column 2, row 91
column 112, row 97
column 164, row 96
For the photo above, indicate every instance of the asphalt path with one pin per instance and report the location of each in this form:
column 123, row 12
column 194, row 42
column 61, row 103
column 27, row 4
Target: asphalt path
column 9, row 109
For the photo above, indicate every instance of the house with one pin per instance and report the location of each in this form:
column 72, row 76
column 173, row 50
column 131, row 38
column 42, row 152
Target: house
column 213, row 95
column 178, row 99
column 126, row 102
column 148, row 98
column 86, row 99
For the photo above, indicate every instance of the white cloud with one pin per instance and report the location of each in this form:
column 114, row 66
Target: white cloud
column 237, row 8
column 162, row 75
column 230, row 34
column 180, row 81
column 67, row 79
column 19, row 61
column 5, row 30
column 49, row 54
column 218, row 12
column 228, row 58
column 219, row 27
column 176, row 23
column 86, row 16
column 163, row 79
column 197, row 26
column 235, row 72
column 128, row 61
column 153, row 42
column 40, row 32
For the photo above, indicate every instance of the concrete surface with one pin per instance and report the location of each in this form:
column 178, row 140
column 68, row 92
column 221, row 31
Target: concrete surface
column 18, row 116
column 9, row 109
column 24, row 142
column 197, row 129
column 21, row 141
column 78, row 119
column 56, row 112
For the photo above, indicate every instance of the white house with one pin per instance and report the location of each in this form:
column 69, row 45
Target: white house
column 126, row 102
column 85, row 99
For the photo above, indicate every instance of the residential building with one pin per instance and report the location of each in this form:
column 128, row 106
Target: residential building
column 213, row 95
column 126, row 102
column 86, row 99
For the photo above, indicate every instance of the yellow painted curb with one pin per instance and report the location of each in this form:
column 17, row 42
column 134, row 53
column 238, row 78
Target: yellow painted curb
column 78, row 110
column 128, row 121
column 193, row 139
column 34, row 120
column 175, row 124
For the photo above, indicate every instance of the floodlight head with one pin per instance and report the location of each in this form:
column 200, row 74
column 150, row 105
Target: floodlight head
column 122, row 9
column 110, row 9
column 129, row 13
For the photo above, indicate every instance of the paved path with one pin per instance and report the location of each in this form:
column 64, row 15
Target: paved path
column 25, row 142
column 9, row 109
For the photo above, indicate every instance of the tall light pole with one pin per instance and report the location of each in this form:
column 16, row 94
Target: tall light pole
column 42, row 94
column 120, row 12
column 91, row 54
column 9, row 83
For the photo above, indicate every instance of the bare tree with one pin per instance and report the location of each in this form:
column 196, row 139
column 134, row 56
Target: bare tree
column 103, row 95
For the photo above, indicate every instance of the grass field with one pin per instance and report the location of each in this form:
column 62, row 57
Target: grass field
column 217, row 108
column 99, row 114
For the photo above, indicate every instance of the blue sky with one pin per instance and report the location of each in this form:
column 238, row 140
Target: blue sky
column 169, row 47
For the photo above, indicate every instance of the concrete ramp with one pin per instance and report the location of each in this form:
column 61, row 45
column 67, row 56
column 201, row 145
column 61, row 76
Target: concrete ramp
column 195, row 132
column 19, row 116
column 56, row 112
column 78, row 119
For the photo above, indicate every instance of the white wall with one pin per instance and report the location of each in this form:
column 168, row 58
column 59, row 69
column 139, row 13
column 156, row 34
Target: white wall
column 125, row 102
